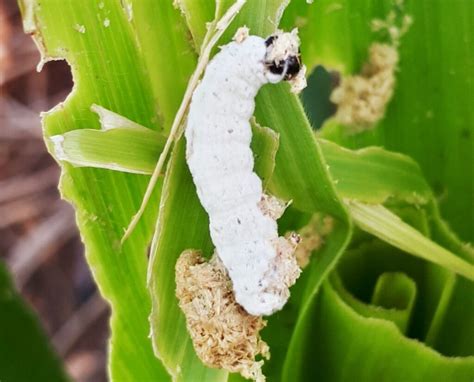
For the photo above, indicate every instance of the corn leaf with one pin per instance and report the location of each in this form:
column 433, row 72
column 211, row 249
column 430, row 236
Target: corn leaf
column 373, row 348
column 370, row 175
column 345, row 166
column 393, row 299
column 134, row 58
column 374, row 175
column 110, row 147
column 182, row 224
column 387, row 226
column 430, row 117
column 428, row 123
column 108, row 46
column 298, row 158
column 25, row 353
column 165, row 51
column 288, row 163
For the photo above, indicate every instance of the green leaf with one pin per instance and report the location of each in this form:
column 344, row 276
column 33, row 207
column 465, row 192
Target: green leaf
column 121, row 145
column 424, row 120
column 396, row 292
column 125, row 146
column 451, row 332
column 135, row 60
column 198, row 14
column 393, row 298
column 379, row 175
column 335, row 33
column 264, row 145
column 351, row 346
column 261, row 17
column 430, row 117
column 162, row 38
column 374, row 175
column 25, row 353
column 368, row 175
column 114, row 66
column 369, row 259
column 387, row 226
column 179, row 207
column 371, row 175
column 182, row 224
column 298, row 157
column 356, row 284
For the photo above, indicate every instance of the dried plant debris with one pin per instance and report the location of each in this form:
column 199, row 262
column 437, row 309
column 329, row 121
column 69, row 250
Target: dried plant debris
column 286, row 268
column 395, row 25
column 362, row 99
column 223, row 333
column 241, row 34
column 312, row 237
column 272, row 206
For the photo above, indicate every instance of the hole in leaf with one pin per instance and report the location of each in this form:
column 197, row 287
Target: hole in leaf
column 315, row 96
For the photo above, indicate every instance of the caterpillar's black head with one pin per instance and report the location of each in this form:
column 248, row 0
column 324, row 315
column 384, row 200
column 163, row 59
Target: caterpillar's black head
column 283, row 58
column 290, row 66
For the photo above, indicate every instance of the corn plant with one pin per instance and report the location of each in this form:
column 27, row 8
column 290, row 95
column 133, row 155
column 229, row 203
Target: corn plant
column 24, row 350
column 387, row 293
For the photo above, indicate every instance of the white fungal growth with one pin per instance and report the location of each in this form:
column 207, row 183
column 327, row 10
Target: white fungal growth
column 221, row 162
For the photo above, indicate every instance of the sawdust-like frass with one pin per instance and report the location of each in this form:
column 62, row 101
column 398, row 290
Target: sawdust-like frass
column 363, row 98
column 224, row 335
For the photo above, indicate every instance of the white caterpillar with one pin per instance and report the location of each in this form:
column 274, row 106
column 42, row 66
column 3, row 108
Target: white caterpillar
column 221, row 162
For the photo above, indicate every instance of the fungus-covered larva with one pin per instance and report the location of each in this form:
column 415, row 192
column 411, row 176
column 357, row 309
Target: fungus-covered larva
column 221, row 162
